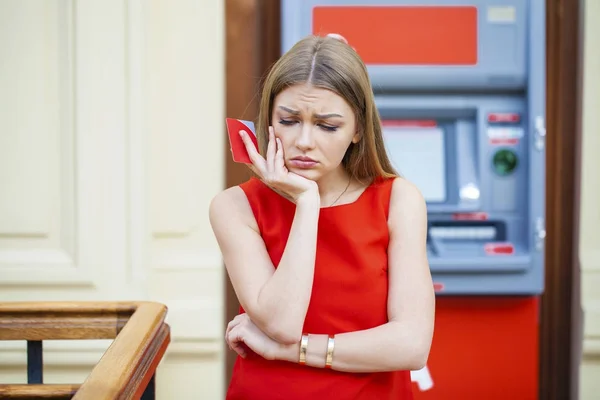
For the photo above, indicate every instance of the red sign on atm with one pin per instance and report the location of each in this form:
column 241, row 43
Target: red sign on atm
column 404, row 35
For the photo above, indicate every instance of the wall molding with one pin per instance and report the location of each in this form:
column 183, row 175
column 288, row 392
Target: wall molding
column 591, row 347
column 173, row 259
column 36, row 257
column 46, row 267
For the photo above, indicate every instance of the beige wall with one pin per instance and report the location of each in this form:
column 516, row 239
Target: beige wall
column 111, row 116
column 589, row 245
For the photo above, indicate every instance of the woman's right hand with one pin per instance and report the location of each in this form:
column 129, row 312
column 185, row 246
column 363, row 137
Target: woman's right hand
column 273, row 171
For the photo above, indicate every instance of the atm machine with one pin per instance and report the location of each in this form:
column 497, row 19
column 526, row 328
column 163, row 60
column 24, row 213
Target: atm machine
column 460, row 87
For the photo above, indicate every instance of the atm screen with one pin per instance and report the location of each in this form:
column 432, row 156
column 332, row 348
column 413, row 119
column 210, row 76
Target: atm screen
column 418, row 154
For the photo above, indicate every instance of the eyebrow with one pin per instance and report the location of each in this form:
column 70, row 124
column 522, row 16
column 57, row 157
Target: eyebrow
column 319, row 116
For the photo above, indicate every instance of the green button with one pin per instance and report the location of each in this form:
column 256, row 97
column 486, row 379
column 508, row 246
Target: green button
column 505, row 162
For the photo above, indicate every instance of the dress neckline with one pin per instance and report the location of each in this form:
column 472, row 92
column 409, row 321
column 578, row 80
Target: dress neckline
column 356, row 201
column 360, row 197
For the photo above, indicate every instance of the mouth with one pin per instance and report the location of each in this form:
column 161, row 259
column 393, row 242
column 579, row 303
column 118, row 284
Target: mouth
column 303, row 162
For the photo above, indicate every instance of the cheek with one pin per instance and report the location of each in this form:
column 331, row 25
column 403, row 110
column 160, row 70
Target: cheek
column 285, row 142
column 335, row 149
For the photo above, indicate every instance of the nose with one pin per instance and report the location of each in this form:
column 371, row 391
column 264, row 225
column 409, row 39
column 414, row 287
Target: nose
column 305, row 140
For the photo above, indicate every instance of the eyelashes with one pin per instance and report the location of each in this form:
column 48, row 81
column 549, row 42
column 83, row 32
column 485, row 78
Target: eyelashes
column 325, row 127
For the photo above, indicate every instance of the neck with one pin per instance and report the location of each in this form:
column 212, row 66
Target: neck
column 332, row 185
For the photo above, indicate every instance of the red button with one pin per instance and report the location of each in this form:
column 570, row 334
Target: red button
column 476, row 216
column 499, row 248
column 504, row 117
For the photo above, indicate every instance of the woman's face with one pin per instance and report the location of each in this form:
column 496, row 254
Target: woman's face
column 315, row 126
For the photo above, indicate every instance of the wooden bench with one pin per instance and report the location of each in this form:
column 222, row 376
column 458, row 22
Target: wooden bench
column 125, row 371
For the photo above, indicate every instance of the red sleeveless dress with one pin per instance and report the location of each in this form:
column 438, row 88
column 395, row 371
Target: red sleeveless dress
column 349, row 294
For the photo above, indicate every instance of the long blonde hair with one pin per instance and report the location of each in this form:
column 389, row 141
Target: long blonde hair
column 328, row 63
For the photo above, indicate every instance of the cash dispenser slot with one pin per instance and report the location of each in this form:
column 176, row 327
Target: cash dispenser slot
column 472, row 246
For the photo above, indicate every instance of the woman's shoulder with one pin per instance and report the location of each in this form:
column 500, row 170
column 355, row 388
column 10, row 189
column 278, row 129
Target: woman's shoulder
column 406, row 199
column 234, row 203
column 404, row 190
column 241, row 193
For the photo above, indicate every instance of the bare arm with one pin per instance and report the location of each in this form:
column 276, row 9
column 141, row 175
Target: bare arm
column 404, row 342
column 275, row 299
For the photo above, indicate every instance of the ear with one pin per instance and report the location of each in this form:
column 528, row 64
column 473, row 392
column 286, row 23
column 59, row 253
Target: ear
column 356, row 138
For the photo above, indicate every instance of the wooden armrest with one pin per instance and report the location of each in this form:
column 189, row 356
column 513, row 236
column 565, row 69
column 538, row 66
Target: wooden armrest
column 140, row 335
column 63, row 320
column 48, row 391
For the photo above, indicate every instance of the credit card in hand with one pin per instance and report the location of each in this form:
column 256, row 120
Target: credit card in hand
column 238, row 148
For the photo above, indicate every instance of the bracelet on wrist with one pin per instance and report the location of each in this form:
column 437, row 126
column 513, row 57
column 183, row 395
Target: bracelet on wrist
column 330, row 347
column 303, row 347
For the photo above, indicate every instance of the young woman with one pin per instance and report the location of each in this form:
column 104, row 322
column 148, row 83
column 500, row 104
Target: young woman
column 326, row 246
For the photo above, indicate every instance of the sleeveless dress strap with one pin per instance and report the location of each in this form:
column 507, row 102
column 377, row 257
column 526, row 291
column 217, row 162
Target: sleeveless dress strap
column 382, row 189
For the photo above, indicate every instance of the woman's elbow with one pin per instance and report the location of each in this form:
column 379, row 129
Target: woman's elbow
column 419, row 361
column 283, row 334
column 420, row 355
column 413, row 357
column 279, row 329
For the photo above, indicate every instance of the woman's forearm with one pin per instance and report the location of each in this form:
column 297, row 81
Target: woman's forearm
column 390, row 347
column 284, row 299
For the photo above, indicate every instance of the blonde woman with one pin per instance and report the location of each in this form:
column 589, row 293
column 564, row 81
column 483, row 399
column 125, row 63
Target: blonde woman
column 326, row 246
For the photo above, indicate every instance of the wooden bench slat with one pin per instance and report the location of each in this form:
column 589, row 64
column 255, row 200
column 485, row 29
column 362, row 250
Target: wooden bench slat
column 140, row 335
column 41, row 391
column 63, row 320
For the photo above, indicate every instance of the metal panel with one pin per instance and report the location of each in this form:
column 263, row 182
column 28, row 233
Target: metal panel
column 486, row 204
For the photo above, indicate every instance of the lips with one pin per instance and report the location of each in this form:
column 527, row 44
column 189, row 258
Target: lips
column 303, row 158
column 303, row 162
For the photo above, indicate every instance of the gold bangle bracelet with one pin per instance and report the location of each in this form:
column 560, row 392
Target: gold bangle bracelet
column 303, row 346
column 330, row 346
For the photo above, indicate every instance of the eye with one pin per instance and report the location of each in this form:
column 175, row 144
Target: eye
column 287, row 122
column 328, row 128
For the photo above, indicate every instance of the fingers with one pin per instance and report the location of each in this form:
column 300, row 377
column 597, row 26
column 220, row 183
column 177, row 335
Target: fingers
column 279, row 162
column 257, row 160
column 234, row 322
column 235, row 340
column 230, row 326
column 271, row 149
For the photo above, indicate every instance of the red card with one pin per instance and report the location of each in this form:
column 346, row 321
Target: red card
column 238, row 148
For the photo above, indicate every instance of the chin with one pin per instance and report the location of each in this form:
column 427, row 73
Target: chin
column 311, row 173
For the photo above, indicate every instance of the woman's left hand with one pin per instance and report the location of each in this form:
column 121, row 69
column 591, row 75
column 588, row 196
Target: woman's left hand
column 242, row 334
